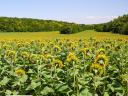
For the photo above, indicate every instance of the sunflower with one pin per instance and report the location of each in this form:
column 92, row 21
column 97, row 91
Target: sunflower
column 101, row 51
column 47, row 58
column 6, row 47
column 33, row 58
column 20, row 72
column 56, row 48
column 108, row 47
column 19, row 45
column 117, row 48
column 86, row 51
column 10, row 54
column 71, row 57
column 72, row 47
column 58, row 63
column 102, row 60
column 96, row 66
column 41, row 57
column 25, row 55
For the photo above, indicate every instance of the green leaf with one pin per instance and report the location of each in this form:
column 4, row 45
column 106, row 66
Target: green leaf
column 33, row 85
column 63, row 88
column 47, row 90
column 15, row 92
column 98, row 83
column 110, row 87
column 119, row 94
column 8, row 92
column 85, row 92
column 82, row 81
column 106, row 94
column 16, row 83
column 4, row 81
column 23, row 79
column 30, row 71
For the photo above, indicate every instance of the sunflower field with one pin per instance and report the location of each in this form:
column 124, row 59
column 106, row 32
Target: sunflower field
column 64, row 67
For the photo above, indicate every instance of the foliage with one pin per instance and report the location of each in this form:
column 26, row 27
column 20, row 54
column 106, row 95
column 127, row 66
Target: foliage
column 118, row 25
column 66, row 30
column 64, row 67
column 70, row 29
column 7, row 24
column 125, row 29
column 36, row 25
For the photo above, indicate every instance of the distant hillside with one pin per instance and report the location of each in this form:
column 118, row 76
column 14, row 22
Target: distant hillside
column 8, row 24
column 119, row 25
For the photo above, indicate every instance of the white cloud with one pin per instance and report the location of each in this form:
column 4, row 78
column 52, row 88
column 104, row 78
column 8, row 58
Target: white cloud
column 87, row 19
column 100, row 17
column 94, row 19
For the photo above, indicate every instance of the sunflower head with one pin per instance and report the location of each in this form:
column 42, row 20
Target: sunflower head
column 45, row 51
column 72, row 47
column 56, row 48
column 96, row 66
column 108, row 47
column 25, row 55
column 6, row 47
column 33, row 58
column 41, row 57
column 101, row 51
column 58, row 63
column 102, row 60
column 10, row 54
column 85, row 51
column 19, row 45
column 42, row 44
column 71, row 57
column 48, row 58
column 20, row 72
column 118, row 47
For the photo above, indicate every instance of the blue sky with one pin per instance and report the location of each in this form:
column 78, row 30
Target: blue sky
column 78, row 11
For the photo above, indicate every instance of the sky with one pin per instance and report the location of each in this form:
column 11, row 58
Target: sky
column 77, row 11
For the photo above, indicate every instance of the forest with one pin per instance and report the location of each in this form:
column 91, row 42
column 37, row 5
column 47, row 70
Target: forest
column 118, row 25
column 9, row 24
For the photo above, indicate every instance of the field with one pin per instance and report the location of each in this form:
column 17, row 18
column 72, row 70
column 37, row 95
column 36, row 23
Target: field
column 49, row 64
column 53, row 35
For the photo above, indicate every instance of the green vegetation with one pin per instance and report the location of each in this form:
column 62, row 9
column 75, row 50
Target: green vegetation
column 36, row 25
column 55, row 34
column 64, row 67
column 70, row 29
column 119, row 25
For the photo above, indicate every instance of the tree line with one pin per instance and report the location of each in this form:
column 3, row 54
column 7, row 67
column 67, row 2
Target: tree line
column 118, row 25
column 9, row 24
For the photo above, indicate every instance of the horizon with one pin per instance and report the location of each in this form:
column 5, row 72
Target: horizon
column 73, row 11
column 56, row 20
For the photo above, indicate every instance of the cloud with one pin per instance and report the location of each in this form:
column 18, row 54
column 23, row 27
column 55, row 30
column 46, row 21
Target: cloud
column 87, row 19
column 100, row 17
column 92, row 19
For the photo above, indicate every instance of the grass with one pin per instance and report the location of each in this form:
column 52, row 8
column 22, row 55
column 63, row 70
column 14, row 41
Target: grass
column 52, row 35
